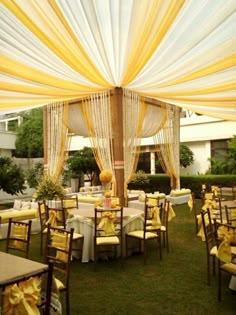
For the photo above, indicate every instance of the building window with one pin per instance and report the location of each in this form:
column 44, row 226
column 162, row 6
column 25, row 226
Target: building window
column 219, row 148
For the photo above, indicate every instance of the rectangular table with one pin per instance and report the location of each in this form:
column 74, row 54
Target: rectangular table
column 14, row 269
column 83, row 222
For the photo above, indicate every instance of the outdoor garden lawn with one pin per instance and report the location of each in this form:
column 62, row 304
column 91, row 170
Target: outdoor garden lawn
column 175, row 285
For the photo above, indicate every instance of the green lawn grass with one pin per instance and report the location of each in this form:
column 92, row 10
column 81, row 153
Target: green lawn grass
column 177, row 285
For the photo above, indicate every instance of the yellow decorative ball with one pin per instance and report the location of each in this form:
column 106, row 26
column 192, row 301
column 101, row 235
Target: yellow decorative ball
column 107, row 194
column 105, row 176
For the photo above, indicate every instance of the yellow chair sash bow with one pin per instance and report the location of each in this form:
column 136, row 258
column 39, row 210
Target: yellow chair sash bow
column 226, row 233
column 19, row 231
column 209, row 204
column 21, row 299
column 171, row 214
column 52, row 218
column 214, row 190
column 107, row 223
column 156, row 222
column 224, row 252
column 190, row 203
column 60, row 241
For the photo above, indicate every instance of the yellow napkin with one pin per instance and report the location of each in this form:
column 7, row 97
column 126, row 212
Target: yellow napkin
column 60, row 241
column 107, row 223
column 19, row 231
column 224, row 252
column 215, row 190
column 21, row 299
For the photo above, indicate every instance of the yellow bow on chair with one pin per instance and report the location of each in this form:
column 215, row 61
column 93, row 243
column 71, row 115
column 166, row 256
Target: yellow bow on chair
column 226, row 233
column 22, row 298
column 224, row 252
column 190, row 203
column 52, row 218
column 156, row 222
column 107, row 223
column 171, row 214
column 209, row 204
column 19, row 231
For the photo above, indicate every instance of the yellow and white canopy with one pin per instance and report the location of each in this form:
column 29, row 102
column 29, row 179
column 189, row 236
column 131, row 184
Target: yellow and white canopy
column 180, row 52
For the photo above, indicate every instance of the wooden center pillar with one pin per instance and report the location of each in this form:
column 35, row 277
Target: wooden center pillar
column 118, row 149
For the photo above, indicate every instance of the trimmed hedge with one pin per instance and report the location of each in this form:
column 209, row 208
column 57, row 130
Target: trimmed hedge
column 161, row 182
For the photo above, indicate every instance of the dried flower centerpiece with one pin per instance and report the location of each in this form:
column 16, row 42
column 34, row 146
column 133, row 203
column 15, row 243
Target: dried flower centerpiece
column 49, row 188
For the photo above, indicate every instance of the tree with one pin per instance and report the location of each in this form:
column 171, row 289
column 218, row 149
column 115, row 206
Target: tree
column 82, row 162
column 186, row 156
column 34, row 174
column 11, row 176
column 29, row 138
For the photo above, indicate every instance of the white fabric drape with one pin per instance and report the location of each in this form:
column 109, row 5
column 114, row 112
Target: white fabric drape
column 180, row 52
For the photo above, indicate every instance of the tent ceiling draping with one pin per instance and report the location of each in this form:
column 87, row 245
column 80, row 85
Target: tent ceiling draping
column 177, row 51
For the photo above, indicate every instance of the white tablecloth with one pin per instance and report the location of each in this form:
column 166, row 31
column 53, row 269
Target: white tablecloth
column 140, row 205
column 83, row 223
column 178, row 200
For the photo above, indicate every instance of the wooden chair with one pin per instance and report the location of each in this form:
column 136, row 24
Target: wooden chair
column 57, row 218
column 108, row 232
column 70, row 202
column 226, row 264
column 195, row 210
column 58, row 251
column 210, row 241
column 164, row 215
column 151, row 231
column 42, row 214
column 18, row 237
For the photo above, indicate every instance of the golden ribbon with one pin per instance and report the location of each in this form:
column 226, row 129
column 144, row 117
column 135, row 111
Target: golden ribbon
column 21, row 299
column 107, row 223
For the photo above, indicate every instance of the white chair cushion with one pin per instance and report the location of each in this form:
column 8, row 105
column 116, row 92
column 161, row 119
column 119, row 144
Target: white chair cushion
column 113, row 240
column 139, row 234
column 77, row 236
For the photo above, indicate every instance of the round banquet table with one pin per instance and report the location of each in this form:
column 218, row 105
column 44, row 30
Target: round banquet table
column 89, row 212
column 83, row 223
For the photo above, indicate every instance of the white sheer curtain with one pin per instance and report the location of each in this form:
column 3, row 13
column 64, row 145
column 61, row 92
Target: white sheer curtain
column 167, row 142
column 57, row 138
